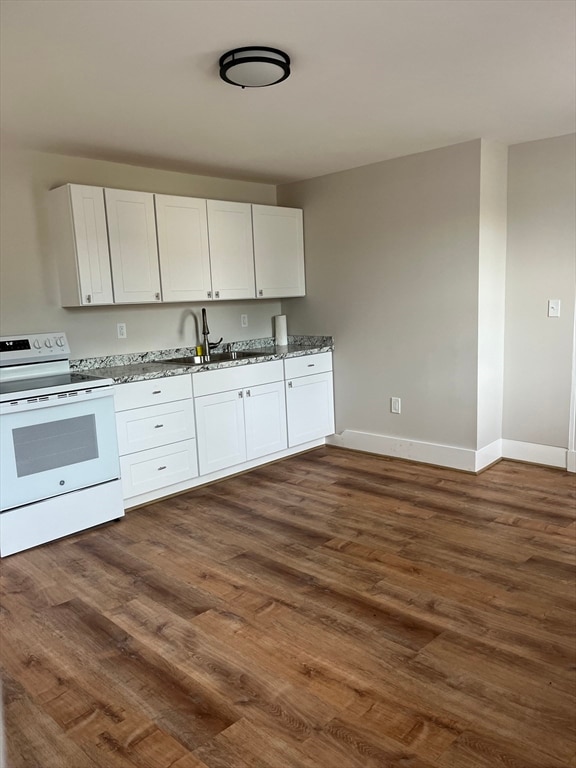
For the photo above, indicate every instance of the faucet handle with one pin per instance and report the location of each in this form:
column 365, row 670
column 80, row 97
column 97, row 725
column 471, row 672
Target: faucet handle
column 214, row 344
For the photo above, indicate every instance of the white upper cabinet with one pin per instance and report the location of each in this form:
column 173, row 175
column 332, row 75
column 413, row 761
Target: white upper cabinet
column 80, row 243
column 278, row 251
column 231, row 249
column 183, row 248
column 133, row 247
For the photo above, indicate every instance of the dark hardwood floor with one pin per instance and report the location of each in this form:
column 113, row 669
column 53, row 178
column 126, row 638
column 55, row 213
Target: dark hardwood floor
column 332, row 610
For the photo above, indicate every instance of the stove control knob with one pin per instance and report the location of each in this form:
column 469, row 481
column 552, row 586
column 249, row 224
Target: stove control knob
column 48, row 343
column 36, row 344
column 60, row 341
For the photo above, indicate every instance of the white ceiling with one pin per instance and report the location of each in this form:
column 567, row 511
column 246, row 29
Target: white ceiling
column 137, row 81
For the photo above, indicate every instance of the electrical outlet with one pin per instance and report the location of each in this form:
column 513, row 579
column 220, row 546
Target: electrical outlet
column 395, row 405
column 553, row 307
column 121, row 330
column 244, row 321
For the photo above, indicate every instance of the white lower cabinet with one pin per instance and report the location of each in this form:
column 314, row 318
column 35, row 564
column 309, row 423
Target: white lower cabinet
column 309, row 398
column 156, row 434
column 240, row 414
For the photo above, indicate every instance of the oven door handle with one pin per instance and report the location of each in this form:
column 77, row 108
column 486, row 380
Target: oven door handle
column 56, row 399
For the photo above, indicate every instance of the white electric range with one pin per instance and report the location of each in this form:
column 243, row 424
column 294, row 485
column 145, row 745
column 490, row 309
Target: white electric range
column 59, row 465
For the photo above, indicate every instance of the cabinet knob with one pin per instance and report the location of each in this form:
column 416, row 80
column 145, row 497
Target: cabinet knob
column 88, row 299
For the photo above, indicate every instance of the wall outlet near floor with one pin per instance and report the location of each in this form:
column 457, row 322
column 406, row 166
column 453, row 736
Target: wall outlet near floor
column 395, row 405
column 244, row 321
column 121, row 330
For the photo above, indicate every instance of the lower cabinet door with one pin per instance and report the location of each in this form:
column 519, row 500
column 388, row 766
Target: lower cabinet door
column 220, row 430
column 158, row 468
column 310, row 408
column 265, row 414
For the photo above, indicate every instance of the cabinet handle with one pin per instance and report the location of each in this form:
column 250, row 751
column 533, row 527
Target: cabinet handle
column 240, row 394
column 88, row 299
column 289, row 385
column 209, row 294
column 311, row 365
column 158, row 426
column 160, row 468
column 260, row 292
column 217, row 294
column 157, row 296
column 248, row 393
column 157, row 392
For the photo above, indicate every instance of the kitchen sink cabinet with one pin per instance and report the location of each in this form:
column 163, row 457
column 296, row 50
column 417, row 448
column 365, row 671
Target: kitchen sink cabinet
column 156, row 435
column 309, row 398
column 133, row 246
column 80, row 243
column 240, row 415
column 183, row 248
column 231, row 249
column 278, row 251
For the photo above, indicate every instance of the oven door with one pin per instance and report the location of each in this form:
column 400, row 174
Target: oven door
column 55, row 444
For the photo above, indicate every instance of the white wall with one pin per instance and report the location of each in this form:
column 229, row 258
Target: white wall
column 392, row 273
column 491, row 293
column 29, row 292
column 541, row 265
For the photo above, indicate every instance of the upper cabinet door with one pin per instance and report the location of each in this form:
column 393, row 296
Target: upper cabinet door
column 183, row 248
column 231, row 250
column 278, row 251
column 133, row 248
column 80, row 242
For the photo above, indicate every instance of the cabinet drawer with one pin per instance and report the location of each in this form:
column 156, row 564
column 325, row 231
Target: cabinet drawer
column 158, row 468
column 307, row 365
column 238, row 377
column 138, row 394
column 143, row 428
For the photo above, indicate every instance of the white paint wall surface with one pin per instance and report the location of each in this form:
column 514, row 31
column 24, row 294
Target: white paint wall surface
column 29, row 291
column 392, row 273
column 541, row 265
column 491, row 291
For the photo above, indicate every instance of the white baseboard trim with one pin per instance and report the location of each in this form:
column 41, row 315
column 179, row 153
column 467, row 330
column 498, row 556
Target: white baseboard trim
column 427, row 453
column 465, row 459
column 533, row 453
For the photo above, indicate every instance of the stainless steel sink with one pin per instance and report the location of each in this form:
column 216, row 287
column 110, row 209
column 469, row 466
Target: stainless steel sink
column 218, row 357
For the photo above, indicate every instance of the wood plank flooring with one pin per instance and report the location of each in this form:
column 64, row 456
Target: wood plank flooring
column 332, row 610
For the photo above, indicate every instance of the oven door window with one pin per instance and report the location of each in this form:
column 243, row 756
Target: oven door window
column 61, row 443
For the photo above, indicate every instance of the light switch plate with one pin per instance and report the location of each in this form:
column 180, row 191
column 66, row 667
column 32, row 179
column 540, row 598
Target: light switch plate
column 553, row 307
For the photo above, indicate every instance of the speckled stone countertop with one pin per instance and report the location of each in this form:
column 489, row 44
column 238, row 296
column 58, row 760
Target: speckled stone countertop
column 153, row 365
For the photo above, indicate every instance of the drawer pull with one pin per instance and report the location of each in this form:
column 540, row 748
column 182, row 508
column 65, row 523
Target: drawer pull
column 311, row 365
column 240, row 394
column 248, row 393
column 289, row 385
column 159, row 468
column 157, row 392
column 158, row 426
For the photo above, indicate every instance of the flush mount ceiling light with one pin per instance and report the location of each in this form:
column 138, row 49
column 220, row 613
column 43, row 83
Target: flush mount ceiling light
column 254, row 66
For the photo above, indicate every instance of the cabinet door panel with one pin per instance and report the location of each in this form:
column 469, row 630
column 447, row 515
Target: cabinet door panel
column 310, row 408
column 183, row 248
column 265, row 414
column 158, row 468
column 220, row 431
column 278, row 251
column 133, row 248
column 91, row 235
column 231, row 250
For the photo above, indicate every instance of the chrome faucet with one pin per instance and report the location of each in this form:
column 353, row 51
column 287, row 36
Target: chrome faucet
column 207, row 344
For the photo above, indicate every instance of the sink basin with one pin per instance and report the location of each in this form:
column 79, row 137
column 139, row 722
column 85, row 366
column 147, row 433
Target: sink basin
column 218, row 357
